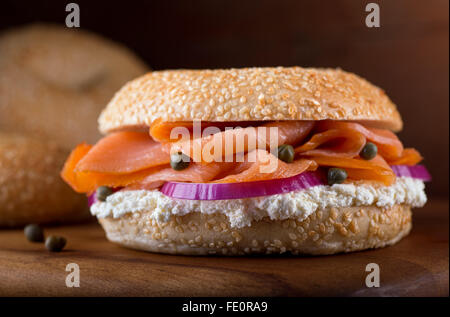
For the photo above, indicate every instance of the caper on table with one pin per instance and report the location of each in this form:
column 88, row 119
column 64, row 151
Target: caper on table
column 103, row 192
column 336, row 175
column 286, row 153
column 179, row 161
column 34, row 233
column 55, row 243
column 369, row 151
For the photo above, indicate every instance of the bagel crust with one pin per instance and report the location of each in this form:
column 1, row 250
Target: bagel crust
column 329, row 231
column 249, row 94
column 31, row 190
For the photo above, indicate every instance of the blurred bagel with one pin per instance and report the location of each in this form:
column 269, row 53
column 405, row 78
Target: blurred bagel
column 31, row 190
column 54, row 81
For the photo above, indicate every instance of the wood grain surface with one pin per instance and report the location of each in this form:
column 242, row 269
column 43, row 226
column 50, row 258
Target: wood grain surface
column 417, row 266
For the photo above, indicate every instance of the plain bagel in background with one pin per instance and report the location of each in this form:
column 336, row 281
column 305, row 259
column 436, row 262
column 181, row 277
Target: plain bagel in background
column 31, row 190
column 54, row 81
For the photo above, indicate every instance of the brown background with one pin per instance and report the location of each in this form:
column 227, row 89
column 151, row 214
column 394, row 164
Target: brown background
column 407, row 56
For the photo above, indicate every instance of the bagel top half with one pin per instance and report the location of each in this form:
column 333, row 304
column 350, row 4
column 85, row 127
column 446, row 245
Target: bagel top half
column 249, row 94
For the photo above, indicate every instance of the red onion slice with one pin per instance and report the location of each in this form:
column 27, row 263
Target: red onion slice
column 414, row 171
column 92, row 199
column 208, row 191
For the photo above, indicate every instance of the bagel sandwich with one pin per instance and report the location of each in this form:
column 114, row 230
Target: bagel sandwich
column 250, row 161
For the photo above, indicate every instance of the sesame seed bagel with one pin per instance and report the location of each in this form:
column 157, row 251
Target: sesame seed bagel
column 249, row 94
column 31, row 190
column 54, row 81
column 329, row 231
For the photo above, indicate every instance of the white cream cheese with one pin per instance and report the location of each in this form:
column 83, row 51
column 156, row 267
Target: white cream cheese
column 241, row 212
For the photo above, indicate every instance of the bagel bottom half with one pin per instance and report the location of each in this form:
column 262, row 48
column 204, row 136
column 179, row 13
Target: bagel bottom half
column 324, row 232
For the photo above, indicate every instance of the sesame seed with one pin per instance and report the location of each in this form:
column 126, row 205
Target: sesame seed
column 236, row 235
column 278, row 243
column 343, row 231
column 333, row 213
column 354, row 226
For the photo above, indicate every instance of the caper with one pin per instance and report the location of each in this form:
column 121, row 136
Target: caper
column 369, row 151
column 34, row 233
column 179, row 161
column 55, row 243
column 336, row 175
column 286, row 153
column 103, row 192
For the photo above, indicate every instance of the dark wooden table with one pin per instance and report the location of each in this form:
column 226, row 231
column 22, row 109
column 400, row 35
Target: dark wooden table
column 417, row 266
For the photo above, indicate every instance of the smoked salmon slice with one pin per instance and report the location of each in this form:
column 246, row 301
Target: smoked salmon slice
column 266, row 166
column 243, row 140
column 408, row 157
column 359, row 169
column 88, row 182
column 68, row 173
column 389, row 146
column 123, row 153
column 195, row 173
column 161, row 131
column 240, row 172
column 334, row 142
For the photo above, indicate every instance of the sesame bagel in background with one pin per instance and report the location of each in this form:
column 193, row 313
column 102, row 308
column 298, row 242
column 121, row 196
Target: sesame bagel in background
column 31, row 190
column 54, row 81
column 343, row 180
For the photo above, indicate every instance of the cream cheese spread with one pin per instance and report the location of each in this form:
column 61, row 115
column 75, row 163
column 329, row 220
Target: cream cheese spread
column 241, row 212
